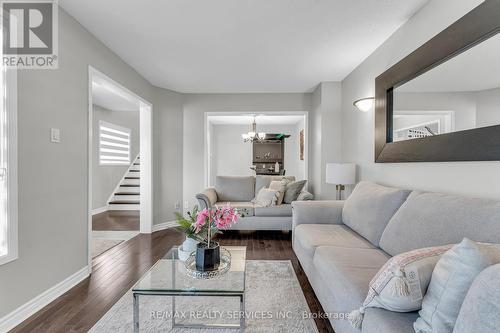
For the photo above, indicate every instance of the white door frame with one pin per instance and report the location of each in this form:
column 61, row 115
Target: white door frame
column 208, row 134
column 146, row 153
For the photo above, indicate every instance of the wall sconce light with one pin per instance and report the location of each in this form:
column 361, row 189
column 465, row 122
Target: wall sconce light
column 364, row 104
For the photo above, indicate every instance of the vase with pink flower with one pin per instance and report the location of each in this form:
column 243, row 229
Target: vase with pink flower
column 203, row 226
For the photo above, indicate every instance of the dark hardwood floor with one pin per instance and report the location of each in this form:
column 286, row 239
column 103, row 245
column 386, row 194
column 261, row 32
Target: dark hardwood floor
column 118, row 269
column 116, row 220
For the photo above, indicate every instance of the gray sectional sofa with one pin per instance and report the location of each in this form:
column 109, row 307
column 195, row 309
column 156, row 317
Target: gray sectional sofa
column 341, row 245
column 239, row 192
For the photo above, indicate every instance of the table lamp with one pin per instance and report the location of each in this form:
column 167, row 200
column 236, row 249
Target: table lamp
column 340, row 174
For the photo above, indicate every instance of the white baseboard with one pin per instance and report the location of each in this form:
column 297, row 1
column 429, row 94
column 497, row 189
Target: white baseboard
column 164, row 225
column 99, row 210
column 26, row 310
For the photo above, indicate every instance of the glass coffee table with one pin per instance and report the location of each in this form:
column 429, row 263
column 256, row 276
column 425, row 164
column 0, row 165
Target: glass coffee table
column 168, row 278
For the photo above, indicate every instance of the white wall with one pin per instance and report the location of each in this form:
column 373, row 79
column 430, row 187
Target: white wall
column 106, row 177
column 195, row 106
column 233, row 157
column 471, row 178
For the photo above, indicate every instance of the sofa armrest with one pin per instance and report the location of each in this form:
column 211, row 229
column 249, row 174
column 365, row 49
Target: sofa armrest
column 207, row 198
column 305, row 196
column 317, row 212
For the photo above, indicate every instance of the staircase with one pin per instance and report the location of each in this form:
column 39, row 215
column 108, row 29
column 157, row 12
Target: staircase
column 127, row 194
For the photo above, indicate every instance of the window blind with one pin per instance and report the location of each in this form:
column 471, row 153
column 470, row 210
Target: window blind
column 114, row 144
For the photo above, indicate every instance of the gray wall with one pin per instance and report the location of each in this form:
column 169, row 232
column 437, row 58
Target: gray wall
column 195, row 106
column 106, row 177
column 488, row 107
column 167, row 154
column 470, row 178
column 324, row 136
column 53, row 177
column 464, row 105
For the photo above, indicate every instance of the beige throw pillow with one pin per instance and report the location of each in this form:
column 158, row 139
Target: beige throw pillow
column 280, row 186
column 401, row 284
column 266, row 198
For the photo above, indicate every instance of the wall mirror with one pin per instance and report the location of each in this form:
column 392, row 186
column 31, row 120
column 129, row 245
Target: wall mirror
column 461, row 94
column 442, row 102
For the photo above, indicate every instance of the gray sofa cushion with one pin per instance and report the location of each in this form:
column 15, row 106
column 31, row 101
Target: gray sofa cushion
column 431, row 219
column 317, row 212
column 480, row 309
column 348, row 272
column 235, row 188
column 293, row 190
column 280, row 210
column 384, row 321
column 370, row 207
column 305, row 196
column 264, row 181
column 244, row 208
column 311, row 236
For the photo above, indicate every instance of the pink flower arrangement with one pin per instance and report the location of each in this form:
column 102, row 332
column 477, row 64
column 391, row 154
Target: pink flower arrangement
column 213, row 220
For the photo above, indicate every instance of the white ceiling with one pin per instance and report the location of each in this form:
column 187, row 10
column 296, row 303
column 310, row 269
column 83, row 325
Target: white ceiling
column 110, row 97
column 259, row 119
column 474, row 70
column 242, row 45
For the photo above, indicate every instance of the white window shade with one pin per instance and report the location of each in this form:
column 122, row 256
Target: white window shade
column 114, row 144
column 8, row 165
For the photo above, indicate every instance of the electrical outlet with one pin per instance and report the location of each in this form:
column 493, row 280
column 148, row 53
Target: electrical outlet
column 186, row 205
column 177, row 205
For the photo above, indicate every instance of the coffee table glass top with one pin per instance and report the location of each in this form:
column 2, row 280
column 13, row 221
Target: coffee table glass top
column 169, row 275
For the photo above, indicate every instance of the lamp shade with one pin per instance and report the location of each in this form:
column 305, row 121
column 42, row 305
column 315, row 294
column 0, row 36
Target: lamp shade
column 341, row 173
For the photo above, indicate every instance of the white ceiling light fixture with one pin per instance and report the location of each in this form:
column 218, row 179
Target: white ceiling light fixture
column 364, row 104
column 252, row 135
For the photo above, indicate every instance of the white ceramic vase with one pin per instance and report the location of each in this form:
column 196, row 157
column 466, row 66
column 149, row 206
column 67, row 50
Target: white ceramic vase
column 187, row 247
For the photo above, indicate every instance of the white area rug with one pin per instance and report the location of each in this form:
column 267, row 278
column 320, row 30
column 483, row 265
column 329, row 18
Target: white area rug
column 99, row 246
column 274, row 303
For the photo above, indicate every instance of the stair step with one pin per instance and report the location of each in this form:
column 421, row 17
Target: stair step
column 130, row 185
column 132, row 177
column 124, row 202
column 127, row 193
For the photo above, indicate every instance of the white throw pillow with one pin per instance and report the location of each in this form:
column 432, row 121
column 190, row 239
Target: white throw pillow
column 401, row 283
column 266, row 197
column 451, row 279
column 280, row 186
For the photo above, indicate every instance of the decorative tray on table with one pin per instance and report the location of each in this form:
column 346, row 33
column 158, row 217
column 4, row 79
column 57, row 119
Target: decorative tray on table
column 224, row 266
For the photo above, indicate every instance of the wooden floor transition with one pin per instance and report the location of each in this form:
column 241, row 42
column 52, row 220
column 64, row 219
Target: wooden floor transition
column 116, row 271
column 116, row 220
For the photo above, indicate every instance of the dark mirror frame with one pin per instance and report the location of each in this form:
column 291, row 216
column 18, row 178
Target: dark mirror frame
column 480, row 144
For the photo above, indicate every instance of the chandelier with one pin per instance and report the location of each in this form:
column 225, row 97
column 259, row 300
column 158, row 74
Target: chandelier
column 253, row 136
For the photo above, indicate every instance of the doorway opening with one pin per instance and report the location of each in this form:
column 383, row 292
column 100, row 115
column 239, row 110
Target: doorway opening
column 120, row 164
column 281, row 148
